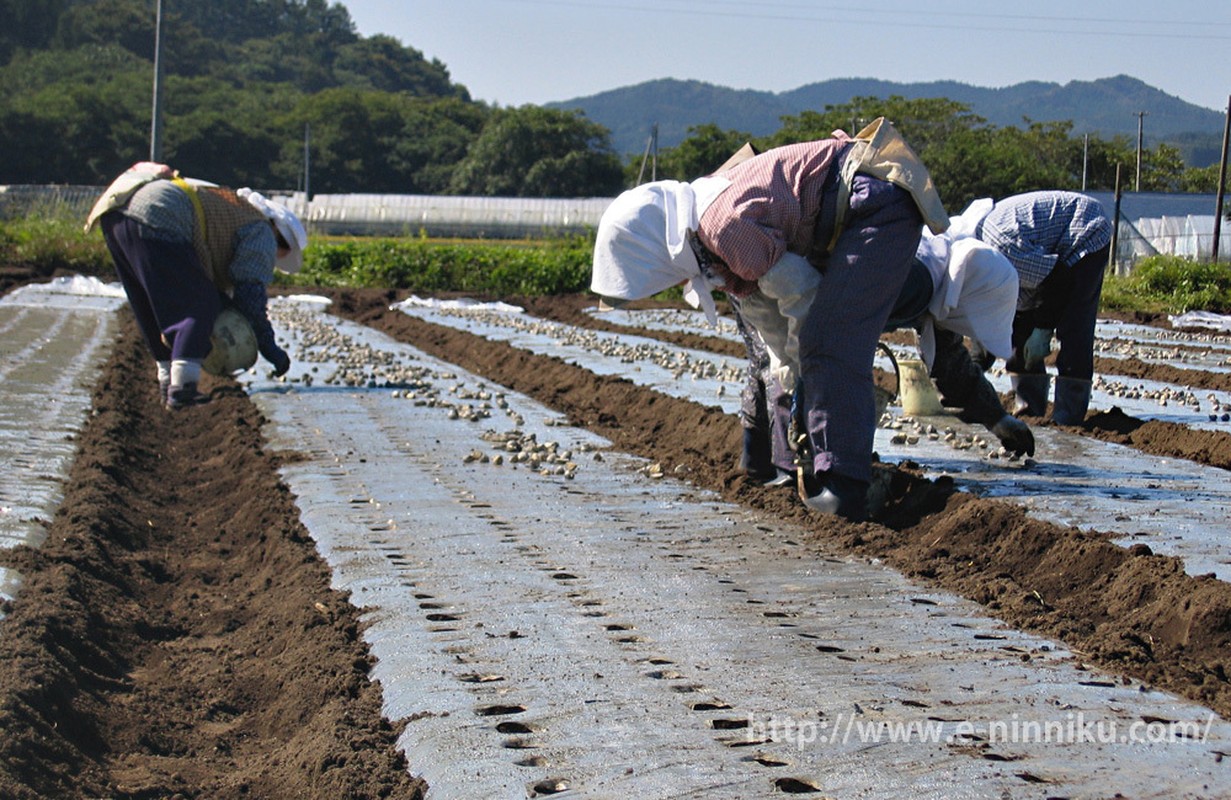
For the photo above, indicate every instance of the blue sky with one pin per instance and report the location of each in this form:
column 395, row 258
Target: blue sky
column 512, row 52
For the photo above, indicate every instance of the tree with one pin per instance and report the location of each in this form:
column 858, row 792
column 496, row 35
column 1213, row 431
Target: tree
column 705, row 149
column 539, row 152
column 28, row 24
column 1162, row 169
column 352, row 133
column 230, row 135
column 923, row 122
column 950, row 140
column 379, row 142
column 437, row 134
column 124, row 22
column 32, row 151
column 1201, row 180
column 382, row 63
column 97, row 128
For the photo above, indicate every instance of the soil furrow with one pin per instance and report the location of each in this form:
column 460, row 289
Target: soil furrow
column 176, row 636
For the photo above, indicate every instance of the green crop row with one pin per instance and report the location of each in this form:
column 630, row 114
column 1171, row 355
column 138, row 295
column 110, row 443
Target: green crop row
column 54, row 243
column 423, row 265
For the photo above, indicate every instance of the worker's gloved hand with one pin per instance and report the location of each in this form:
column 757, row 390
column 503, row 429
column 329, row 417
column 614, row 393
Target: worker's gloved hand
column 1015, row 435
column 276, row 356
column 1037, row 348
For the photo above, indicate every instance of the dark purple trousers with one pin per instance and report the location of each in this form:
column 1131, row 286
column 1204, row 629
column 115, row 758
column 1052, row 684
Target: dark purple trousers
column 765, row 408
column 175, row 303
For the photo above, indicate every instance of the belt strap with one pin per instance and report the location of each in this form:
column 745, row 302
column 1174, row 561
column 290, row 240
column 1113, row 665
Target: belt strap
column 197, row 208
column 850, row 165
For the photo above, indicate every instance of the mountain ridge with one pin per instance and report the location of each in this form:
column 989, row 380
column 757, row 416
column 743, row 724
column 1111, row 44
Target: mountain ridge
column 1107, row 107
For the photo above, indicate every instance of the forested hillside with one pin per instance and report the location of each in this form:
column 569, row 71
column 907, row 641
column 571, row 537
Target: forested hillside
column 247, row 83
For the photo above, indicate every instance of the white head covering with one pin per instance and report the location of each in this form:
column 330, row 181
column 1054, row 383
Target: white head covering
column 964, row 224
column 288, row 226
column 641, row 247
column 976, row 296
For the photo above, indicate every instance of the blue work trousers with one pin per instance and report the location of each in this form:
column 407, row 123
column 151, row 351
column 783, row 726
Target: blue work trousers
column 860, row 282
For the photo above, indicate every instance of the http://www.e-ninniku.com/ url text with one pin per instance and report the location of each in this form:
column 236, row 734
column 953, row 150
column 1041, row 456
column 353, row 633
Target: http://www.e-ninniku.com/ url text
column 1073, row 728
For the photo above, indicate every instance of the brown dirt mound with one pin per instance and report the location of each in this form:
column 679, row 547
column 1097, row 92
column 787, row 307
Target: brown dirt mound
column 1167, row 439
column 1136, row 368
column 176, row 636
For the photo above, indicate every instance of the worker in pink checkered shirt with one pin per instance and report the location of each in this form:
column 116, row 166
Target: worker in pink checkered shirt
column 816, row 240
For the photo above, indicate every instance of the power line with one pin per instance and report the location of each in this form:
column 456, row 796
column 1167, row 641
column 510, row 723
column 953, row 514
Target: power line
column 895, row 20
column 917, row 11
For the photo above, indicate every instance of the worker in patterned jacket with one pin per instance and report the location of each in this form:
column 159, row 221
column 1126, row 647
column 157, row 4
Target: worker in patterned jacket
column 845, row 210
column 184, row 249
column 1059, row 242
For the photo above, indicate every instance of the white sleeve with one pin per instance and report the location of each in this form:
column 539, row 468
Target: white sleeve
column 778, row 309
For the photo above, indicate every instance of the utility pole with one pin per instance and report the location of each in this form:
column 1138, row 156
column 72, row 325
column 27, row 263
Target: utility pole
column 1085, row 160
column 651, row 145
column 307, row 138
column 1141, row 115
column 1115, row 228
column 1222, row 182
column 654, row 163
column 156, row 116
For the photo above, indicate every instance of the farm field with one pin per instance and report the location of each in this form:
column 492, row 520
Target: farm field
column 202, row 615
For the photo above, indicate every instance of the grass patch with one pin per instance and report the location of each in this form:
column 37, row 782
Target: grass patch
column 51, row 243
column 1170, row 285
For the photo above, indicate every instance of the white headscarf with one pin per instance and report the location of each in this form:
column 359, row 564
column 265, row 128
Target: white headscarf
column 288, row 225
column 641, row 247
column 976, row 286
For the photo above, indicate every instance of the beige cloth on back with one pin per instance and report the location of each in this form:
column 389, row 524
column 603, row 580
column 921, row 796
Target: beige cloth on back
column 880, row 151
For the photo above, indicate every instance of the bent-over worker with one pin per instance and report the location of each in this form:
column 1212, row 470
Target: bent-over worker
column 1059, row 242
column 185, row 248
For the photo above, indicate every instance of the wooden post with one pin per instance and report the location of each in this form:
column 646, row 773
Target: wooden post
column 1141, row 115
column 1222, row 181
column 654, row 163
column 651, row 145
column 1115, row 226
column 1085, row 160
column 307, row 140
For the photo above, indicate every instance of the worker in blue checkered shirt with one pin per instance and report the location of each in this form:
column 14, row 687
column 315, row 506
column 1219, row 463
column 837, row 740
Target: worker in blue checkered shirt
column 1059, row 242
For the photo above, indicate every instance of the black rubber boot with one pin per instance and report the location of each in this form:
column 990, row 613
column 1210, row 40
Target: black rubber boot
column 757, row 458
column 180, row 397
column 1072, row 401
column 831, row 493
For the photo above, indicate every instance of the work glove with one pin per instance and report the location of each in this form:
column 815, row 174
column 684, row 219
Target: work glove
column 251, row 298
column 276, row 356
column 1037, row 348
column 1015, row 435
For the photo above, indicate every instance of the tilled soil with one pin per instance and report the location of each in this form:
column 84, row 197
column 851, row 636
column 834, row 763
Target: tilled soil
column 176, row 635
